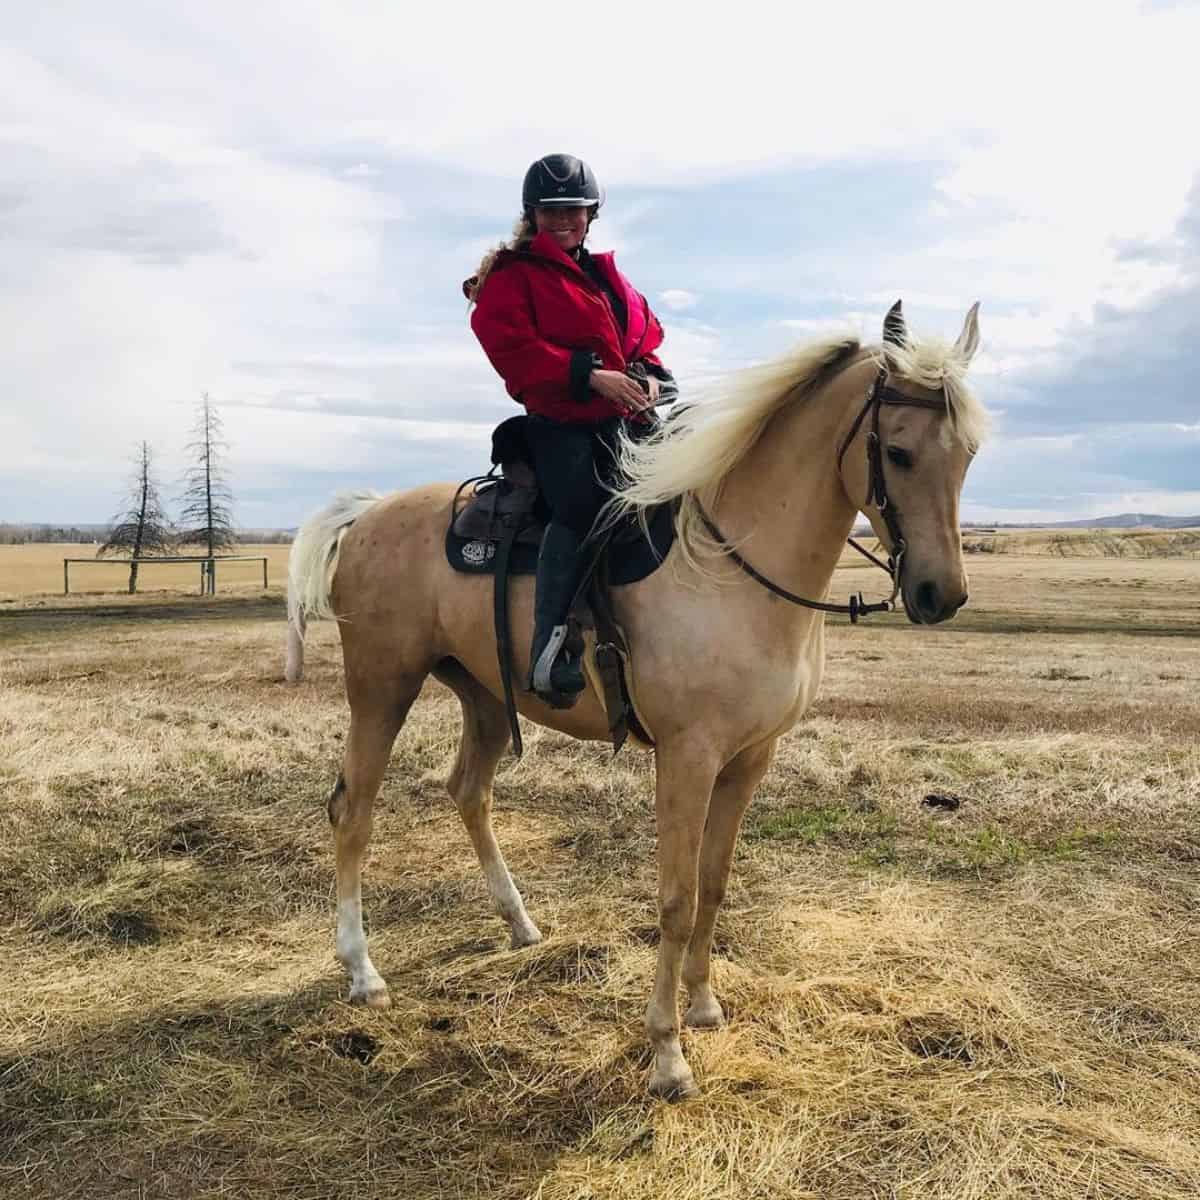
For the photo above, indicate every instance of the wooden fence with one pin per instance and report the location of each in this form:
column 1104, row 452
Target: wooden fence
column 208, row 567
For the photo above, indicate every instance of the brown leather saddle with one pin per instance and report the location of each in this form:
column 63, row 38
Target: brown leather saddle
column 495, row 528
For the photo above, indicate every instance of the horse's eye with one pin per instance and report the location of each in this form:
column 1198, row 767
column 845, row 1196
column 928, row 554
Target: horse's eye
column 901, row 458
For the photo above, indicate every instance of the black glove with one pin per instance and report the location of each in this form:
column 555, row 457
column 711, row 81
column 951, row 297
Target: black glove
column 668, row 389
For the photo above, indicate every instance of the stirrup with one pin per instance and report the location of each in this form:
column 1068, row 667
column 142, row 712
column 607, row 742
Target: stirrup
column 541, row 678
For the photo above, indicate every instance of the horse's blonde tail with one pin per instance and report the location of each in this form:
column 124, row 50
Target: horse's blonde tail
column 293, row 672
column 310, row 569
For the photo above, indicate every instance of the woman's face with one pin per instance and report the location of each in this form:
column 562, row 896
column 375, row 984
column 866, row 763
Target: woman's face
column 566, row 223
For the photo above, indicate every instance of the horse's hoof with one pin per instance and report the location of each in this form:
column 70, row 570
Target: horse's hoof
column 529, row 936
column 375, row 998
column 704, row 1016
column 674, row 1086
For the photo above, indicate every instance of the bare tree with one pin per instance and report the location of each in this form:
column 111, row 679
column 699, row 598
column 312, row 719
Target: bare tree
column 206, row 513
column 142, row 529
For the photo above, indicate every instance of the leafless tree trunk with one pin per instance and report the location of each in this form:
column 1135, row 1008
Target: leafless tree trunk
column 142, row 529
column 206, row 515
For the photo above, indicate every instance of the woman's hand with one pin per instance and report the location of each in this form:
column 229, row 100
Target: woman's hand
column 617, row 387
column 653, row 382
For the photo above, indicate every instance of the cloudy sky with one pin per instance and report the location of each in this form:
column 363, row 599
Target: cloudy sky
column 276, row 203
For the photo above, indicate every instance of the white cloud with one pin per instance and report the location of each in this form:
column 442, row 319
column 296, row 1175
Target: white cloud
column 678, row 300
column 849, row 321
column 182, row 199
column 697, row 353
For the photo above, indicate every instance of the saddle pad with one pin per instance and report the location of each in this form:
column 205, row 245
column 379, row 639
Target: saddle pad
column 630, row 556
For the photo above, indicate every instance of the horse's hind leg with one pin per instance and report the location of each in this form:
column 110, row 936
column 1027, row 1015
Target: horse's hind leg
column 374, row 724
column 485, row 737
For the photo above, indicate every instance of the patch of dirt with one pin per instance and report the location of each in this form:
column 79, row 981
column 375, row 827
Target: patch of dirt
column 355, row 1044
column 939, row 1035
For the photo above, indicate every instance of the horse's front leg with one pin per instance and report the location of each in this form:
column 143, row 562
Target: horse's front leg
column 685, row 775
column 731, row 796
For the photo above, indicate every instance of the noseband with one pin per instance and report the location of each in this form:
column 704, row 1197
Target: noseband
column 879, row 395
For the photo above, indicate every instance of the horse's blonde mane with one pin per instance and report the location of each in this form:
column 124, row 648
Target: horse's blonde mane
column 691, row 454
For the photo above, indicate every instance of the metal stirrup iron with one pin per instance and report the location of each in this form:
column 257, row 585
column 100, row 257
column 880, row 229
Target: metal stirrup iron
column 540, row 676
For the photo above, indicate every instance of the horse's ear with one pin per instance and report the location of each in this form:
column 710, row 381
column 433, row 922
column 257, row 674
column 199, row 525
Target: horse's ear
column 894, row 328
column 968, row 340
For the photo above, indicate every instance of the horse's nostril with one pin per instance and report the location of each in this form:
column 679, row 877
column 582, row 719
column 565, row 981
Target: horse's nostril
column 927, row 599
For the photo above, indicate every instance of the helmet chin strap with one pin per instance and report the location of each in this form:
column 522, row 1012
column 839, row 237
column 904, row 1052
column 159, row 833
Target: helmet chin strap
column 588, row 229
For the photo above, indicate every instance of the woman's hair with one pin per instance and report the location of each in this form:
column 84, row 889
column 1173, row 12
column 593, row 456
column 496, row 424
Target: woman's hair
column 522, row 235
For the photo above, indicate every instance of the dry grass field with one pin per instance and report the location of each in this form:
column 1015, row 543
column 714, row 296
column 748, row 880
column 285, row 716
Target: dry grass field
column 997, row 1001
column 37, row 569
column 1088, row 543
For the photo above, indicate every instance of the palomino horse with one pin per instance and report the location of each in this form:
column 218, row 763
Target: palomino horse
column 723, row 666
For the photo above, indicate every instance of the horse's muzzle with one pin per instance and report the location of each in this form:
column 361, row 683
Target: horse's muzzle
column 927, row 604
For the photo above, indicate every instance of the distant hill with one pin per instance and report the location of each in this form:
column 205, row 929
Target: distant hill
column 1120, row 521
column 1129, row 521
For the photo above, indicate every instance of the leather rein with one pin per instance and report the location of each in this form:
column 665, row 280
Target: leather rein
column 879, row 395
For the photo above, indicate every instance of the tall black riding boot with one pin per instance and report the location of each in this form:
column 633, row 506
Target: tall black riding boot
column 555, row 676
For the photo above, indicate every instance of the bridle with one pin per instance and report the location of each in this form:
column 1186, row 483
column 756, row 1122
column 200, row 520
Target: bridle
column 880, row 393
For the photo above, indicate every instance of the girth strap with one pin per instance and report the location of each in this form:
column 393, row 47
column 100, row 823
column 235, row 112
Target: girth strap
column 612, row 657
column 504, row 633
column 608, row 658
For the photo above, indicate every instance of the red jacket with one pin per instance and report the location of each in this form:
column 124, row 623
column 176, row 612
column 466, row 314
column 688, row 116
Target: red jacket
column 537, row 310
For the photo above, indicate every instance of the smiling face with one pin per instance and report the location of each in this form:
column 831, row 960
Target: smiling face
column 566, row 223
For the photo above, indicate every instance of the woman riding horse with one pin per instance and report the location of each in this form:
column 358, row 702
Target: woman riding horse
column 575, row 343
column 726, row 666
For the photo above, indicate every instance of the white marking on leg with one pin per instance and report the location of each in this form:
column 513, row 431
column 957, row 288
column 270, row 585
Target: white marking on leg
column 509, row 904
column 366, row 984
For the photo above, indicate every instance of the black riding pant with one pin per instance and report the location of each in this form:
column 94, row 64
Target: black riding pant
column 572, row 462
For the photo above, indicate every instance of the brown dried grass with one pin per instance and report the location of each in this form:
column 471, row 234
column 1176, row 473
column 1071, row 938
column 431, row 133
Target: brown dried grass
column 1001, row 1001
column 36, row 569
column 1137, row 542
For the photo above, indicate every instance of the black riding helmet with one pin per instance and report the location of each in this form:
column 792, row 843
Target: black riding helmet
column 560, row 179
